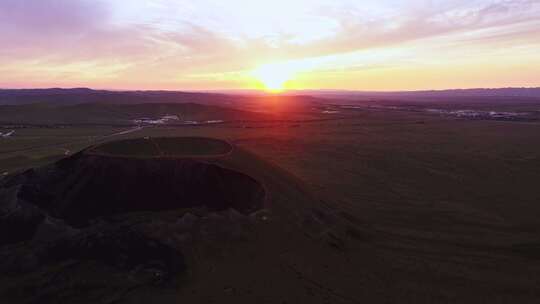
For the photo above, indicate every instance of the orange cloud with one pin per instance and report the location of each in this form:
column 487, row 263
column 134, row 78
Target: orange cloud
column 165, row 44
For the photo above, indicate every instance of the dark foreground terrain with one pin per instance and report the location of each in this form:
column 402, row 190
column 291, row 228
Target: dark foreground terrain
column 365, row 202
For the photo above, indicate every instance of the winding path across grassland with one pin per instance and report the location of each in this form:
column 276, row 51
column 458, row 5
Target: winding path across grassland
column 60, row 145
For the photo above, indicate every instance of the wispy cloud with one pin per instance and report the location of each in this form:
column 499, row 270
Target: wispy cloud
column 165, row 43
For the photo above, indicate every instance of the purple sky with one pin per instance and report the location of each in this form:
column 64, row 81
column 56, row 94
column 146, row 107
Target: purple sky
column 303, row 44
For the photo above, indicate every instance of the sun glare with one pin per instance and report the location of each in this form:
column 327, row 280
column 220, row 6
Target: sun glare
column 274, row 76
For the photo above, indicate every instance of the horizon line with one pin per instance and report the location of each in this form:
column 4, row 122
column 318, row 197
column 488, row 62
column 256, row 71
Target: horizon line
column 265, row 92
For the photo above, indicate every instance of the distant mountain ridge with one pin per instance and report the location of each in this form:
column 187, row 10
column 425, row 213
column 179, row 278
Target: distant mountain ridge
column 74, row 96
column 453, row 93
column 57, row 96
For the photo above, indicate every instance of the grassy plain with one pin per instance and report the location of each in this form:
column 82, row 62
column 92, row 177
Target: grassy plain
column 444, row 209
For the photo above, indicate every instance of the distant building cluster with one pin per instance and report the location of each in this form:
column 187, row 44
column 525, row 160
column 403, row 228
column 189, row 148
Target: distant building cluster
column 160, row 121
column 7, row 134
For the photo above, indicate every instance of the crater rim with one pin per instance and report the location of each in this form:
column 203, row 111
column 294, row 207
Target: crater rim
column 162, row 148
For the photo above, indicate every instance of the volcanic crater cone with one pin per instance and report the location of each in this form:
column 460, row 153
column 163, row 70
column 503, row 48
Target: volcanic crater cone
column 136, row 212
column 147, row 174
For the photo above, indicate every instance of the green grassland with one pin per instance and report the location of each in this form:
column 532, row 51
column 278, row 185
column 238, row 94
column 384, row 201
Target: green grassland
column 150, row 147
column 116, row 114
column 444, row 207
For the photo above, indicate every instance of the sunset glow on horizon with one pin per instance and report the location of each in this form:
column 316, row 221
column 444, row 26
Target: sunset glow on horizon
column 273, row 46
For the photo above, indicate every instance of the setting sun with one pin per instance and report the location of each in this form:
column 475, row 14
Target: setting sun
column 274, row 76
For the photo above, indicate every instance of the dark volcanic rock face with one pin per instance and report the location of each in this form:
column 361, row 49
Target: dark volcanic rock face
column 98, row 265
column 18, row 219
column 85, row 187
column 121, row 247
